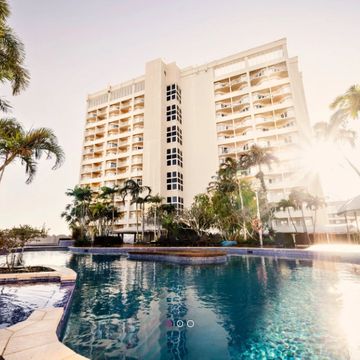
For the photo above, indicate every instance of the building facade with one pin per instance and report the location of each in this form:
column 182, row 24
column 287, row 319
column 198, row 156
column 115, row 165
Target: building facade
column 171, row 128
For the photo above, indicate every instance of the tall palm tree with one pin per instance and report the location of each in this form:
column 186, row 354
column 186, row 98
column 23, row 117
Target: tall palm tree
column 257, row 156
column 286, row 204
column 12, row 56
column 348, row 104
column 27, row 146
column 106, row 192
column 79, row 210
column 156, row 200
column 299, row 199
column 132, row 188
column 315, row 203
column 231, row 169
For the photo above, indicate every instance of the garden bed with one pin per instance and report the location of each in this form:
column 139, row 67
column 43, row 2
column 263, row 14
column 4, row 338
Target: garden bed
column 27, row 269
column 186, row 257
column 189, row 253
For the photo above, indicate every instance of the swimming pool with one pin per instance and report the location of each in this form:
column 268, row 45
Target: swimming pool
column 249, row 308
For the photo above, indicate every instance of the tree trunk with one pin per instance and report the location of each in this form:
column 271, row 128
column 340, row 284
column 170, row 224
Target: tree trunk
column 347, row 160
column 155, row 223
column 137, row 221
column 314, row 224
column 304, row 225
column 242, row 210
column 143, row 222
column 292, row 220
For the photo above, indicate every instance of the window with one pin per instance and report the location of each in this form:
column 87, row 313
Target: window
column 177, row 201
column 174, row 157
column 173, row 112
column 173, row 134
column 174, row 181
column 173, row 92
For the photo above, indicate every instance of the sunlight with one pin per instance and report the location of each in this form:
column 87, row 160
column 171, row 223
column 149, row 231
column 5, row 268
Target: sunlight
column 325, row 160
column 322, row 158
column 349, row 318
column 344, row 248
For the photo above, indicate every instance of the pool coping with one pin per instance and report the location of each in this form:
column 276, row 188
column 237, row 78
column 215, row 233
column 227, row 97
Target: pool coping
column 36, row 337
column 301, row 254
column 28, row 345
column 61, row 274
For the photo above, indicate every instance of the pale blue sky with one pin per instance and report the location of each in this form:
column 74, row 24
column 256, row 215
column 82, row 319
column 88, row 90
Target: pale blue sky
column 75, row 47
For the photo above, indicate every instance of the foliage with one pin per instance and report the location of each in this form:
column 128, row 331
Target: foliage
column 12, row 57
column 27, row 146
column 200, row 216
column 13, row 241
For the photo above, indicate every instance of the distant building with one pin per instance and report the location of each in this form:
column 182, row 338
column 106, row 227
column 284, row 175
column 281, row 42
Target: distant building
column 171, row 128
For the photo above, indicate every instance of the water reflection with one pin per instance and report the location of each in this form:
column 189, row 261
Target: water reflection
column 249, row 308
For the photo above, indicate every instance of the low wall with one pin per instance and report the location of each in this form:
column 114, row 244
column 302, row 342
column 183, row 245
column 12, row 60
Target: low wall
column 184, row 260
column 345, row 257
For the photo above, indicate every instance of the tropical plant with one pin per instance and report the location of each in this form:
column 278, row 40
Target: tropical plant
column 14, row 239
column 140, row 195
column 257, row 156
column 107, row 192
column 200, row 217
column 233, row 202
column 77, row 213
column 315, row 203
column 101, row 217
column 286, row 204
column 153, row 213
column 299, row 198
column 348, row 104
column 27, row 146
column 12, row 57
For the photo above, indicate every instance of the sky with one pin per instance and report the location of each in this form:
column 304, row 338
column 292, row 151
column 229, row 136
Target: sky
column 76, row 47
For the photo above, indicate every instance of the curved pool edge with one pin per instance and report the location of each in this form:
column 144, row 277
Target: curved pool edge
column 22, row 340
column 343, row 257
column 36, row 337
column 183, row 260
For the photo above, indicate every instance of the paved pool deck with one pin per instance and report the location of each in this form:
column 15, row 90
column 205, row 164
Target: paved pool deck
column 36, row 338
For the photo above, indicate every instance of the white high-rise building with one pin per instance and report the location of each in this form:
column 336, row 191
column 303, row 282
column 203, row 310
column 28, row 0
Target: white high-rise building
column 171, row 128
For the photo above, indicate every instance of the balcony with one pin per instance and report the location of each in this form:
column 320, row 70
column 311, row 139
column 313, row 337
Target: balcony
column 138, row 119
column 221, row 85
column 138, row 139
column 222, row 106
column 224, row 128
column 139, row 101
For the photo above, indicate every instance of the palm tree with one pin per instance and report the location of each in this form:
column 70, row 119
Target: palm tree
column 12, row 56
column 132, row 188
column 335, row 132
column 79, row 210
column 315, row 203
column 106, row 192
column 348, row 104
column 286, row 204
column 27, row 146
column 156, row 200
column 257, row 156
column 230, row 170
column 299, row 198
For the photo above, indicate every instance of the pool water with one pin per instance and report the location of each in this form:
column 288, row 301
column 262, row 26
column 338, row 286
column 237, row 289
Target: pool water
column 249, row 308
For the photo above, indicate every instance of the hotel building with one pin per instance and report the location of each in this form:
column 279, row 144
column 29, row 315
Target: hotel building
column 171, row 128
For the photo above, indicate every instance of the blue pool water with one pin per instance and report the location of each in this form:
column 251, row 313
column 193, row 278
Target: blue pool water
column 249, row 308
